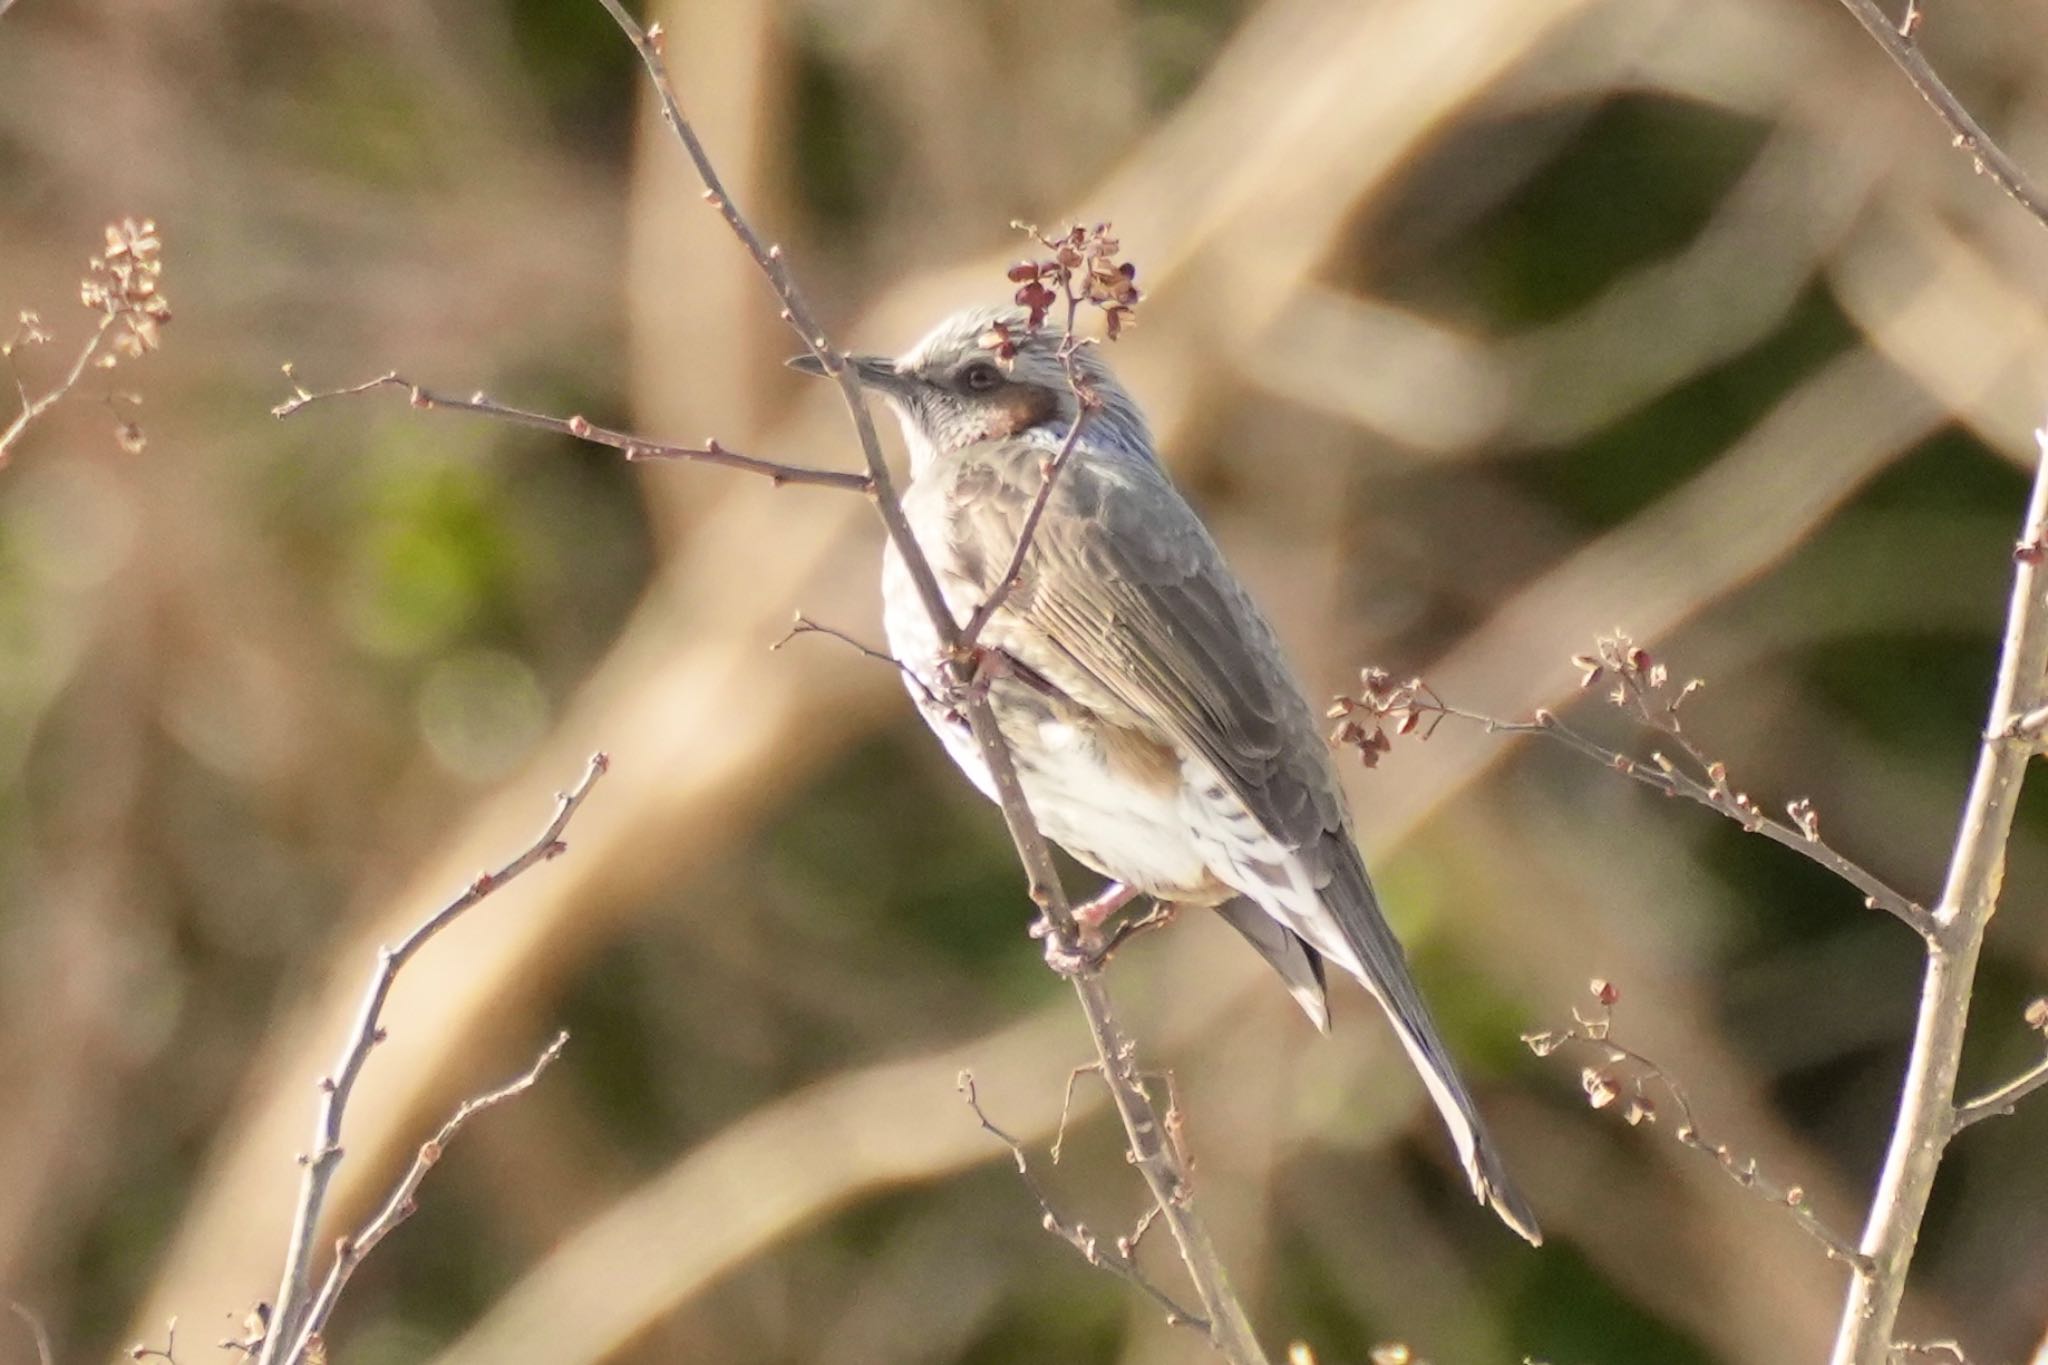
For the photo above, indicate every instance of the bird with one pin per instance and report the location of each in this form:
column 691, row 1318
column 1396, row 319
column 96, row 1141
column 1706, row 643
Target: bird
column 1157, row 731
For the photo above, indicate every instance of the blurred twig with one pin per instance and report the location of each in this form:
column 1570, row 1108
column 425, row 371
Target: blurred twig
column 1928, row 1116
column 1603, row 1086
column 299, row 1312
column 1899, row 42
column 22, row 1311
column 581, row 428
column 168, row 1352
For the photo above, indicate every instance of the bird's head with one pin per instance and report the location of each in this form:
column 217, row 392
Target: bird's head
column 984, row 375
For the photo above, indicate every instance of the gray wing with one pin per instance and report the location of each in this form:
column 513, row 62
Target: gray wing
column 1125, row 586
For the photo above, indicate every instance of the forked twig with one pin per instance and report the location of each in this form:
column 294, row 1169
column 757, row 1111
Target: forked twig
column 349, row 1251
column 286, row 1336
column 1118, row 1258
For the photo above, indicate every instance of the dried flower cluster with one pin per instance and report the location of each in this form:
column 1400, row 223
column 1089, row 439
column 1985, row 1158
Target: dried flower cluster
column 122, row 283
column 1381, row 710
column 1083, row 268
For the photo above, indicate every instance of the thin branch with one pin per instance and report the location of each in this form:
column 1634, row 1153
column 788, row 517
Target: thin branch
column 768, row 257
column 168, row 1353
column 1928, row 1117
column 1366, row 719
column 1230, row 1331
column 31, row 409
column 1603, row 1087
column 1117, row 1258
column 1899, row 43
column 399, row 1206
column 804, row 625
column 2002, row 1100
column 20, row 1310
column 287, row 1322
column 582, row 429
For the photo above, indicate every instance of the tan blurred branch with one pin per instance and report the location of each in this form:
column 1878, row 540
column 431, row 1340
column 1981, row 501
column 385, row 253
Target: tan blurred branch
column 1899, row 43
column 579, row 427
column 40, row 1333
column 1928, row 1117
column 299, row 1314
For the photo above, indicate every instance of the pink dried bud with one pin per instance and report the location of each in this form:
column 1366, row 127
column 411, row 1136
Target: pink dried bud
column 1023, row 271
column 1605, row 991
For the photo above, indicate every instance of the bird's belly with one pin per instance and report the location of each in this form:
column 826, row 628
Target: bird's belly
column 1114, row 802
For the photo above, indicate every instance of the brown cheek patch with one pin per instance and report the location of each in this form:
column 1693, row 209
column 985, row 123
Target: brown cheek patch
column 1021, row 407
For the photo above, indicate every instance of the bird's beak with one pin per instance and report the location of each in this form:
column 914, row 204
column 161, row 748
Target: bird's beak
column 875, row 371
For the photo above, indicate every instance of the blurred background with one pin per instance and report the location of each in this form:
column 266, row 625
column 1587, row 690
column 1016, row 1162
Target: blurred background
column 1474, row 327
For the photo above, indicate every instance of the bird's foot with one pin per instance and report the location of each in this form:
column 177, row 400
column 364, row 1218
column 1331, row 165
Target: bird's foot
column 1091, row 913
column 1088, row 950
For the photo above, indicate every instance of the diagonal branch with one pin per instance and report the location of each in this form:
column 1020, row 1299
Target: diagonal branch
column 1230, row 1330
column 1603, row 1087
column 1993, row 1103
column 1639, row 691
column 1900, row 44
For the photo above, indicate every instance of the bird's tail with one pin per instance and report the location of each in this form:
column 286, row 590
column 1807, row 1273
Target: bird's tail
column 1476, row 1149
column 1376, row 959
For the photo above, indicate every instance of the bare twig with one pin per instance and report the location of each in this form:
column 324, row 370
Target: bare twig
column 1640, row 689
column 1118, row 1258
column 2001, row 1100
column 168, row 1353
column 1928, row 1117
column 399, row 1206
column 1230, row 1331
column 1899, row 43
column 1625, row 1074
column 582, row 429
column 20, row 1310
column 285, row 1338
column 32, row 408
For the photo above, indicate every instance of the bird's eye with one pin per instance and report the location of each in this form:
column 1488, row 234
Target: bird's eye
column 980, row 377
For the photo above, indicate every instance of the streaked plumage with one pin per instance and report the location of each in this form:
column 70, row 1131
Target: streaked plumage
column 1156, row 728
